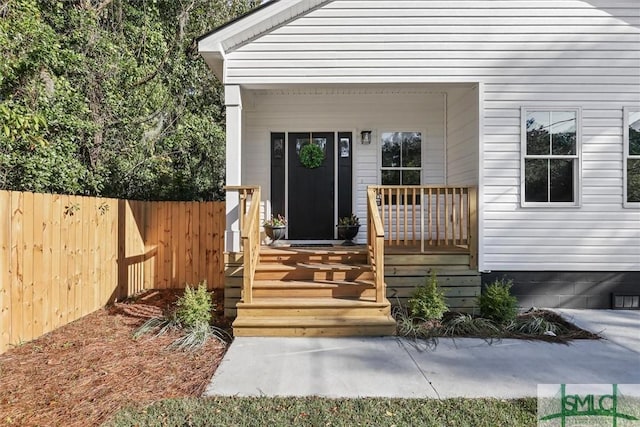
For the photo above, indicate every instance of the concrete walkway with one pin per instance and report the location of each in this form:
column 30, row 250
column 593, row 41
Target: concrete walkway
column 463, row 367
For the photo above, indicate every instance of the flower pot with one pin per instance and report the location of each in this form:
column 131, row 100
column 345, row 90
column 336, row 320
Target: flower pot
column 275, row 233
column 348, row 232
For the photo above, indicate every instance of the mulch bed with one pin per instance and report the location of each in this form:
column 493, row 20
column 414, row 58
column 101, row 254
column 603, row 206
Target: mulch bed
column 568, row 333
column 83, row 373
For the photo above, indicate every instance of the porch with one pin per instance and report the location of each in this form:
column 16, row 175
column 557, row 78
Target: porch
column 336, row 290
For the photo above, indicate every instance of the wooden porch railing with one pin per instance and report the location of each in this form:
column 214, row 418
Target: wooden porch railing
column 250, row 235
column 375, row 244
column 428, row 216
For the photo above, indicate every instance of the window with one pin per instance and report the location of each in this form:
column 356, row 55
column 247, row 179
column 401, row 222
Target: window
column 401, row 158
column 551, row 157
column 632, row 157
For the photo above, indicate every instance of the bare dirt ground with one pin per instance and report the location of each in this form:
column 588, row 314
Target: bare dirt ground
column 82, row 373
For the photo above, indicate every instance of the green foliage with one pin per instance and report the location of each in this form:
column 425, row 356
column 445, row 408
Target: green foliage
column 191, row 318
column 311, row 156
column 497, row 303
column 351, row 220
column 194, row 306
column 428, row 301
column 407, row 326
column 275, row 221
column 467, row 325
column 111, row 98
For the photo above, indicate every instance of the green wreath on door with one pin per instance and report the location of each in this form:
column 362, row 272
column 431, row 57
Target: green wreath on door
column 311, row 156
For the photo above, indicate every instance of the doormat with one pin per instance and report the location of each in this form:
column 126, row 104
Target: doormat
column 311, row 245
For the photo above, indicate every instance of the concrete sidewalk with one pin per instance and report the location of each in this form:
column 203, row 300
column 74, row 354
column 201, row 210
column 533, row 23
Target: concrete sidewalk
column 463, row 367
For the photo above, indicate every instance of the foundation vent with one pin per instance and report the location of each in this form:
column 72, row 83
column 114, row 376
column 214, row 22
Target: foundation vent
column 625, row 302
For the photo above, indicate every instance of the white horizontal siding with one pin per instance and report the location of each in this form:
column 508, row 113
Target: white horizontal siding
column 462, row 137
column 539, row 53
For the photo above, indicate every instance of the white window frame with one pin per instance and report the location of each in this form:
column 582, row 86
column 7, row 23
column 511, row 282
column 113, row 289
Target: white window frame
column 422, row 154
column 626, row 156
column 577, row 171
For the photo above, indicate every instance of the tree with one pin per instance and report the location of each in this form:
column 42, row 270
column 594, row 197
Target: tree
column 111, row 98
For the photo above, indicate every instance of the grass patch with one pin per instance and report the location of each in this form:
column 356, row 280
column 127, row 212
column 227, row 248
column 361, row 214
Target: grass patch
column 315, row 411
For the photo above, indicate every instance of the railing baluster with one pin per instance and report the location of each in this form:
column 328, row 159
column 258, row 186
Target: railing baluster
column 413, row 216
column 406, row 215
column 421, row 219
column 446, row 216
column 438, row 216
column 390, row 195
column 460, row 214
column 430, row 214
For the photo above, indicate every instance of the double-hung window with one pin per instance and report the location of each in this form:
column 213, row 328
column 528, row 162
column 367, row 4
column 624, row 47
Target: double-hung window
column 401, row 158
column 550, row 169
column 632, row 157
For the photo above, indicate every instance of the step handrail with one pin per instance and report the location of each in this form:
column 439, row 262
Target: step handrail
column 250, row 235
column 375, row 244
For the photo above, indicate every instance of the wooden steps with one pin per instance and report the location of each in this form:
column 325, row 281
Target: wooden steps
column 364, row 289
column 307, row 326
column 313, row 292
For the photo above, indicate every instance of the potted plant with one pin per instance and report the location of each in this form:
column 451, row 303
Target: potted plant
column 348, row 228
column 275, row 227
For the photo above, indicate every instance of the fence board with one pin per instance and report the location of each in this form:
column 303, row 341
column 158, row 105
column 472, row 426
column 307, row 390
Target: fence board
column 168, row 275
column 85, row 255
column 56, row 260
column 5, row 274
column 62, row 257
column 64, row 262
column 202, row 242
column 28, row 254
column 218, row 226
column 40, row 273
column 196, row 276
column 76, row 216
column 188, row 242
column 17, row 288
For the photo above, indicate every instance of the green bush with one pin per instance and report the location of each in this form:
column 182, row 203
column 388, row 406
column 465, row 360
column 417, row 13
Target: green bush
column 428, row 301
column 194, row 306
column 497, row 303
column 191, row 318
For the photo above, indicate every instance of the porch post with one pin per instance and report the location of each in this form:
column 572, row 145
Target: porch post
column 233, row 104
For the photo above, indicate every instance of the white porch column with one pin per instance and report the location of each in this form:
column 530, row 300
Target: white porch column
column 233, row 103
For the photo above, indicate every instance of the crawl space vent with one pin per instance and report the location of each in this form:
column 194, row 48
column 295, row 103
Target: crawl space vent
column 626, row 302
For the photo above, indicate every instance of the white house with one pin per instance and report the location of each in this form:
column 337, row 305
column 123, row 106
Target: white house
column 531, row 103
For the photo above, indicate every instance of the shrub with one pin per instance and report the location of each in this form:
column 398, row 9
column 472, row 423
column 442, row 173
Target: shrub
column 191, row 317
column 497, row 303
column 428, row 301
column 194, row 306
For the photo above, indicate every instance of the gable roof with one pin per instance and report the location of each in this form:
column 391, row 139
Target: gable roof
column 214, row 45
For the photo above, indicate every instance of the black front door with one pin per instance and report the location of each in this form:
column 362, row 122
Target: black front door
column 311, row 190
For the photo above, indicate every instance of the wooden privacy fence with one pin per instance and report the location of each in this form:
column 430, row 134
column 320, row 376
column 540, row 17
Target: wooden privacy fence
column 63, row 257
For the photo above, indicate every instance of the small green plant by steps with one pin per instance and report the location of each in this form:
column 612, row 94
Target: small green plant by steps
column 497, row 303
column 192, row 316
column 428, row 302
column 195, row 306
